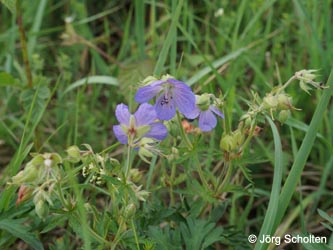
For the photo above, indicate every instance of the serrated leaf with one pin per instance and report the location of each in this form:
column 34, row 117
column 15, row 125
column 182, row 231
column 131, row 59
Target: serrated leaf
column 200, row 234
column 36, row 97
column 16, row 228
column 165, row 238
column 10, row 4
column 53, row 222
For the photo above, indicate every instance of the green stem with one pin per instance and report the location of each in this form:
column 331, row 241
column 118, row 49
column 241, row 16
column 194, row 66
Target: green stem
column 128, row 164
column 172, row 179
column 183, row 134
column 23, row 42
column 201, row 174
column 227, row 177
column 117, row 237
column 135, row 235
column 110, row 148
column 61, row 196
column 285, row 85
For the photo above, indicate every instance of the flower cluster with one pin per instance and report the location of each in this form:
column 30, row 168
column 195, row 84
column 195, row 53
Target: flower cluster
column 171, row 95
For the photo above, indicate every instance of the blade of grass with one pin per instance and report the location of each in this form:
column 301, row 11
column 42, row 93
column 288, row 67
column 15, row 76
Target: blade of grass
column 272, row 209
column 139, row 26
column 92, row 80
column 36, row 26
column 168, row 41
column 303, row 153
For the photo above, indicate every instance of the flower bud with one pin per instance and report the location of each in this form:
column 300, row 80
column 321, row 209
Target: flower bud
column 28, row 174
column 148, row 80
column 203, row 101
column 74, row 155
column 283, row 116
column 227, row 143
column 238, row 137
column 135, row 175
column 174, row 154
column 129, row 211
column 284, row 101
column 24, row 194
column 270, row 102
column 42, row 209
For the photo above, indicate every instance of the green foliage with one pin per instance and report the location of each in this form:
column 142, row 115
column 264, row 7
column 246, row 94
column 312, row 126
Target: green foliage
column 10, row 4
column 16, row 228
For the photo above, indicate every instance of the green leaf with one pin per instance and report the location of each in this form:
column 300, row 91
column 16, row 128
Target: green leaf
column 7, row 80
column 92, row 80
column 268, row 225
column 10, row 4
column 325, row 216
column 200, row 234
column 16, row 228
column 37, row 97
column 165, row 238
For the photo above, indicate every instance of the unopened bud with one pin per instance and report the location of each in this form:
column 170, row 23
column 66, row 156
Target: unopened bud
column 284, row 101
column 129, row 210
column 135, row 175
column 283, row 116
column 238, row 137
column 28, row 174
column 148, row 80
column 42, row 209
column 174, row 154
column 203, row 101
column 227, row 143
column 74, row 155
column 270, row 102
column 24, row 194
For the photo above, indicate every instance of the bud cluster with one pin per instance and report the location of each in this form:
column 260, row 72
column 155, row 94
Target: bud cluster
column 37, row 180
column 277, row 104
column 95, row 166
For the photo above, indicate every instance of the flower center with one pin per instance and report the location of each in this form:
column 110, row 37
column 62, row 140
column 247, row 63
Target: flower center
column 131, row 132
column 167, row 95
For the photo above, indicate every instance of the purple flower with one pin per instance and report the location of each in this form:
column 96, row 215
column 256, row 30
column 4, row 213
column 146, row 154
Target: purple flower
column 141, row 124
column 206, row 112
column 171, row 94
